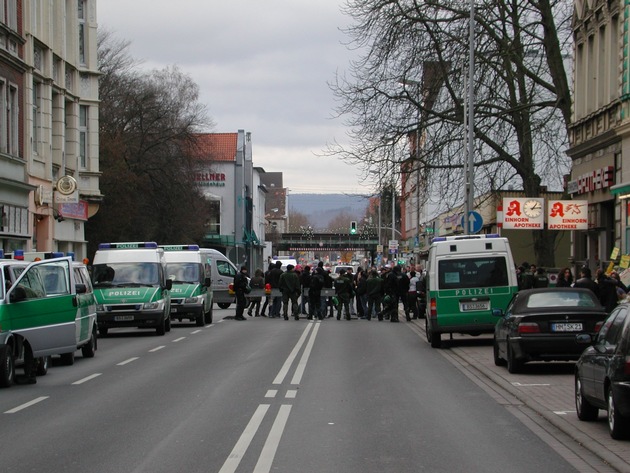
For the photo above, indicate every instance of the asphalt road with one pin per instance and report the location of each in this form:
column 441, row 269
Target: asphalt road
column 265, row 395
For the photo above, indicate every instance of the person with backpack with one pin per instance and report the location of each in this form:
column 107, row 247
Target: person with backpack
column 316, row 284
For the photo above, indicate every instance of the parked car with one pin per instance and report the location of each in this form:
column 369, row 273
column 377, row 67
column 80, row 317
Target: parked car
column 602, row 374
column 541, row 324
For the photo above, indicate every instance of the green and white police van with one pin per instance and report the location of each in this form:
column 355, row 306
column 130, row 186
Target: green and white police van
column 190, row 269
column 467, row 277
column 131, row 286
column 46, row 308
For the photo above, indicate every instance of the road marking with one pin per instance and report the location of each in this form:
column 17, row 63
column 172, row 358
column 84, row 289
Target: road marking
column 564, row 413
column 88, row 378
column 271, row 393
column 232, row 462
column 528, row 385
column 291, row 394
column 273, row 440
column 157, row 348
column 178, row 339
column 299, row 372
column 287, row 364
column 28, row 404
column 122, row 363
column 194, row 332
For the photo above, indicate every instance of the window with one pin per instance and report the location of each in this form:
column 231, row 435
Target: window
column 83, row 136
column 81, row 13
column 225, row 269
column 37, row 117
column 11, row 12
column 473, row 272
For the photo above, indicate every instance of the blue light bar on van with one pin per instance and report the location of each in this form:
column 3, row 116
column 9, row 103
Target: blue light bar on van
column 439, row 239
column 18, row 254
column 493, row 235
column 1, row 254
column 70, row 254
column 127, row 246
column 180, row 247
column 54, row 254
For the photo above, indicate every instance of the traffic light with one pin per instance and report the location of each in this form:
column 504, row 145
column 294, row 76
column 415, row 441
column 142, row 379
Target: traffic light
column 353, row 228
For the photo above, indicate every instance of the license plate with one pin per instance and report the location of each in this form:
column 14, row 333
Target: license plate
column 466, row 306
column 123, row 318
column 566, row 327
column 173, row 309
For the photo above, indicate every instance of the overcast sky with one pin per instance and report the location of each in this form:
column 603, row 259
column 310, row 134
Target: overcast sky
column 262, row 66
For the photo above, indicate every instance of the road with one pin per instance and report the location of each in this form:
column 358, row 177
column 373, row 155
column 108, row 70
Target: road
column 269, row 395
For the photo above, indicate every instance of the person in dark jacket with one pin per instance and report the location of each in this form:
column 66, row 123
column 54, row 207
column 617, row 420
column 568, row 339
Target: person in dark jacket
column 344, row 291
column 257, row 282
column 540, row 278
column 267, row 297
column 240, row 289
column 565, row 278
column 607, row 291
column 289, row 285
column 586, row 281
column 374, row 288
column 360, row 282
column 274, row 281
column 316, row 284
column 305, row 282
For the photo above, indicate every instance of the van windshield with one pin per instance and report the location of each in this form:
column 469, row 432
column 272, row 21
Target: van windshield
column 184, row 272
column 125, row 274
column 473, row 272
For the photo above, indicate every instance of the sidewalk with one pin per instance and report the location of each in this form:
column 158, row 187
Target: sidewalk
column 544, row 388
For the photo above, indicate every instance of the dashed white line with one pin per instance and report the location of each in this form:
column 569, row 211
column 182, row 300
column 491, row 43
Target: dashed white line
column 291, row 393
column 299, row 371
column 179, row 339
column 157, row 348
column 122, row 363
column 271, row 393
column 232, row 462
column 87, row 378
column 28, row 404
column 289, row 361
column 195, row 331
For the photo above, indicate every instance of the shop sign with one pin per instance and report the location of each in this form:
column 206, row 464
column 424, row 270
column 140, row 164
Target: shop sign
column 591, row 181
column 209, row 179
column 523, row 213
column 78, row 211
column 568, row 215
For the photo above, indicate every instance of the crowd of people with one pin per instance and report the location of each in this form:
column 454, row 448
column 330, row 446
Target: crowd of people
column 607, row 287
column 313, row 293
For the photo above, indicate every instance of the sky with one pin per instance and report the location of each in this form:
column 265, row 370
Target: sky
column 261, row 66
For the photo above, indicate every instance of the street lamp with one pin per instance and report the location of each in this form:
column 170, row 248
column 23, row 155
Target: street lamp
column 470, row 191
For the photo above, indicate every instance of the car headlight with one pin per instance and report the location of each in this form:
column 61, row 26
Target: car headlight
column 151, row 305
column 100, row 308
column 191, row 300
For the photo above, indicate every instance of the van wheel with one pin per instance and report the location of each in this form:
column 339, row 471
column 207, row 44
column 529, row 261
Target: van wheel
column 88, row 350
column 223, row 305
column 161, row 328
column 168, row 324
column 199, row 319
column 435, row 339
column 208, row 315
column 7, row 366
column 44, row 364
column 67, row 359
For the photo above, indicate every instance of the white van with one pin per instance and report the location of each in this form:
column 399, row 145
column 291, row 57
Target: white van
column 131, row 287
column 285, row 262
column 223, row 272
column 467, row 277
column 190, row 269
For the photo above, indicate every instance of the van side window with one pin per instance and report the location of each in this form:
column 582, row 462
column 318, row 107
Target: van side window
column 610, row 331
column 225, row 269
column 33, row 285
column 55, row 279
column 207, row 268
column 472, row 272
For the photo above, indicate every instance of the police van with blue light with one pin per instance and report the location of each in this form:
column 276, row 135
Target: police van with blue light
column 190, row 269
column 467, row 277
column 131, row 286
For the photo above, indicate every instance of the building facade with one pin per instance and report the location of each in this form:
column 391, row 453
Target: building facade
column 599, row 134
column 228, row 179
column 50, row 132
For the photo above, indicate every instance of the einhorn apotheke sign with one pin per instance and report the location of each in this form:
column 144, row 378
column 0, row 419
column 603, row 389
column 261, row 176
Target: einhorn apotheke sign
column 523, row 213
column 568, row 215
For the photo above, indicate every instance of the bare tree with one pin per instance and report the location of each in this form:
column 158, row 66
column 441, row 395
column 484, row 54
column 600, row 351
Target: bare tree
column 521, row 95
column 297, row 221
column 147, row 123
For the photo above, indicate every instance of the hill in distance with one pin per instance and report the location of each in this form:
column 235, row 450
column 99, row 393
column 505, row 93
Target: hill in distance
column 322, row 208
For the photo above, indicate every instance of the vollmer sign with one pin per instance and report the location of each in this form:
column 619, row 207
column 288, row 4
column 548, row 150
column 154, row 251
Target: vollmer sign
column 210, row 179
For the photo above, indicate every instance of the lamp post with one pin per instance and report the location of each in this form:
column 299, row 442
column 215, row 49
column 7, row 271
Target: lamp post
column 471, row 115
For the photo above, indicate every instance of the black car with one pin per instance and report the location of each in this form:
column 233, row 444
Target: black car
column 541, row 324
column 602, row 374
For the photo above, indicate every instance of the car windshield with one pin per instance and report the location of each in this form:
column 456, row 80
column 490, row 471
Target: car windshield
column 125, row 274
column 473, row 272
column 183, row 272
column 561, row 299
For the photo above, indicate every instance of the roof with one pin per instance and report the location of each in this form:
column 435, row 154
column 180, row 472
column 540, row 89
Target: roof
column 216, row 146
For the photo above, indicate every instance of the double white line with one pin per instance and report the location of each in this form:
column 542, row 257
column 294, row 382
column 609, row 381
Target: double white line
column 273, row 440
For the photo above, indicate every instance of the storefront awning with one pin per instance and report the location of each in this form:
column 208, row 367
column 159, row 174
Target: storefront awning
column 251, row 237
column 621, row 190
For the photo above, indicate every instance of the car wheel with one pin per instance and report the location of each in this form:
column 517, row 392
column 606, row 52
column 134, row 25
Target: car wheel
column 43, row 365
column 88, row 350
column 67, row 358
column 103, row 331
column 208, row 316
column 168, row 324
column 617, row 424
column 513, row 365
column 498, row 361
column 199, row 320
column 7, row 366
column 223, row 305
column 585, row 410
